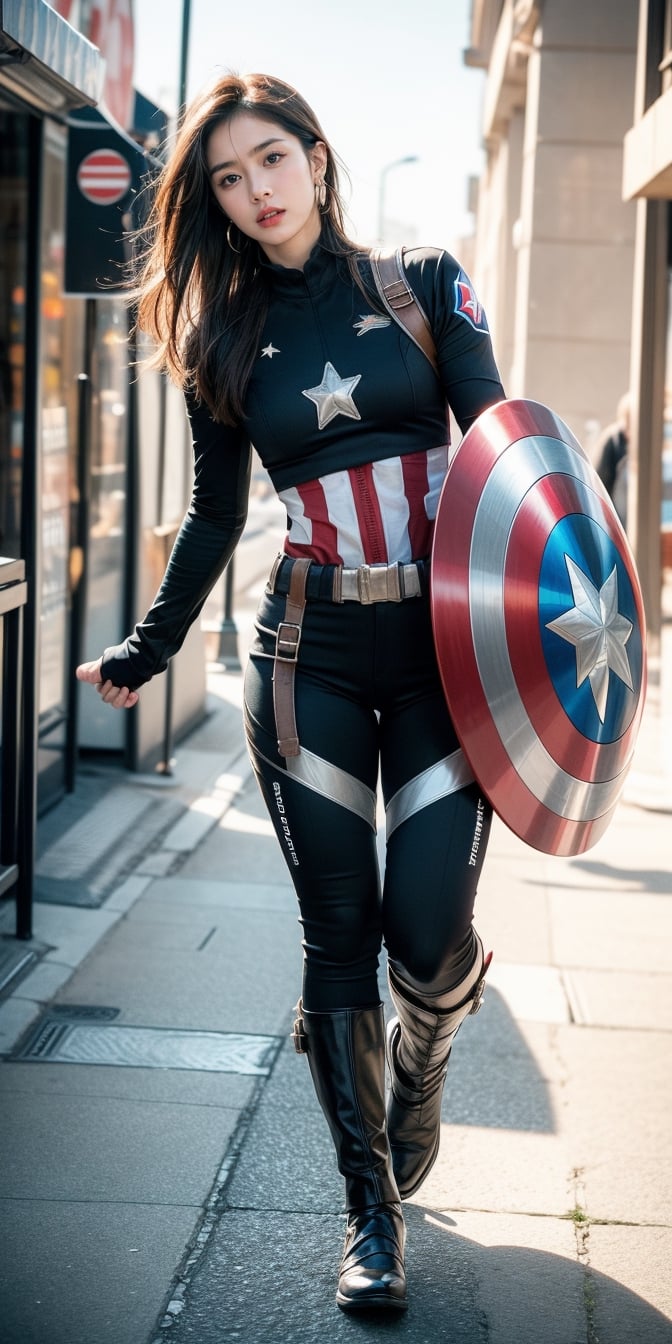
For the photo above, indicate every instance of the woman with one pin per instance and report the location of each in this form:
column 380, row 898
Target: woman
column 265, row 313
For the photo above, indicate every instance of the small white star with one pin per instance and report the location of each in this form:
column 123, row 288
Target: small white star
column 333, row 396
column 371, row 322
column 269, row 350
column 599, row 633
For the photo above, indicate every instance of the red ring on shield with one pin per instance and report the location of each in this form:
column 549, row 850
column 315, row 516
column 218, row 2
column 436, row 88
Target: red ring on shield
column 518, row 473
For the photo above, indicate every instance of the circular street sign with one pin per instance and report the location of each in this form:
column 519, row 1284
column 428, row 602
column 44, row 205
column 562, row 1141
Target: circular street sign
column 539, row 626
column 104, row 177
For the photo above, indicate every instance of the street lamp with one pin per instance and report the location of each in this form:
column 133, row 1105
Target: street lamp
column 397, row 163
column 184, row 60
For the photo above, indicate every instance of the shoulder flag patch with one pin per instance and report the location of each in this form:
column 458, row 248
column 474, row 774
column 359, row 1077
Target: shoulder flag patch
column 467, row 305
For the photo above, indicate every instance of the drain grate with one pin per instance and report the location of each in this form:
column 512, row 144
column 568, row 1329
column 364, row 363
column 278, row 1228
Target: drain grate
column 64, row 1041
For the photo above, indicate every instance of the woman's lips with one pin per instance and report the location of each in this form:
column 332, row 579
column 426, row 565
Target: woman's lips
column 267, row 221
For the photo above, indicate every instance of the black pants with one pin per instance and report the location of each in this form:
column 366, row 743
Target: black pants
column 369, row 702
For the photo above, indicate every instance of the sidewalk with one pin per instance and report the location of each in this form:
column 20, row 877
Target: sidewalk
column 168, row 1176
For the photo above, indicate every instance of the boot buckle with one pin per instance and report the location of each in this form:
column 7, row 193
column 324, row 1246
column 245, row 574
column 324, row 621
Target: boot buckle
column 298, row 1032
column 480, row 988
column 478, row 996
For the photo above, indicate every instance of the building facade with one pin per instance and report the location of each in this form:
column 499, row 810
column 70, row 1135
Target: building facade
column 555, row 241
column 647, row 185
column 572, row 239
column 46, row 69
column 94, row 464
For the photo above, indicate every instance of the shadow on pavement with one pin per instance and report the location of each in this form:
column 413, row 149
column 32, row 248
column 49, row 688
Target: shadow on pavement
column 494, row 1080
column 658, row 881
column 271, row 1277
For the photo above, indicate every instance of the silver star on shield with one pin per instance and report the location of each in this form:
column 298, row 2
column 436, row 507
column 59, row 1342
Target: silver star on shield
column 333, row 396
column 598, row 631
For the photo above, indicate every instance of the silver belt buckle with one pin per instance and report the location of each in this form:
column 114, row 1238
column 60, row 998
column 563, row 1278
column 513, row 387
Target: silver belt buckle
column 378, row 583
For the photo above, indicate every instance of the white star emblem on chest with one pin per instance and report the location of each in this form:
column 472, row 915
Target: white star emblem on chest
column 598, row 631
column 269, row 350
column 333, row 396
column 371, row 322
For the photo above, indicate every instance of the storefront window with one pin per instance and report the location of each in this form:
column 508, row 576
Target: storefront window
column 60, row 362
column 13, row 266
column 108, row 483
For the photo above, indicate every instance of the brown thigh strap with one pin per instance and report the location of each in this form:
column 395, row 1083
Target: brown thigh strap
column 287, row 643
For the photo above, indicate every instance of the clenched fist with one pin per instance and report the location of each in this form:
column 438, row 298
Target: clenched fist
column 119, row 697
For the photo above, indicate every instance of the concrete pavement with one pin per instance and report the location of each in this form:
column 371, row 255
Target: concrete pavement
column 167, row 1174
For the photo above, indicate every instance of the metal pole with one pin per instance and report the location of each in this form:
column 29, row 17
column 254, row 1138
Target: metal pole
column 184, row 59
column 15, row 858
column 397, row 163
column 131, row 529
column 79, row 542
column 227, row 653
column 165, row 767
column 381, row 204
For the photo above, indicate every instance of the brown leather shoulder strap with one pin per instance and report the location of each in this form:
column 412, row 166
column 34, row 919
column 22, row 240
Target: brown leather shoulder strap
column 400, row 301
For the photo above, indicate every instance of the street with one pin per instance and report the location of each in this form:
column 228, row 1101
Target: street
column 168, row 1174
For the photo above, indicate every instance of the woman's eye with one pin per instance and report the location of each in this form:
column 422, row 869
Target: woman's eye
column 229, row 180
column 274, row 157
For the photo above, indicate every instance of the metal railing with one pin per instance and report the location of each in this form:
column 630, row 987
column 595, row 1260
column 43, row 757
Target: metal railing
column 17, row 757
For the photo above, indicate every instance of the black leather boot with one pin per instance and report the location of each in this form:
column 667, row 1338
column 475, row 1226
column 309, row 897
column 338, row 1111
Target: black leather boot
column 346, row 1055
column 419, row 1041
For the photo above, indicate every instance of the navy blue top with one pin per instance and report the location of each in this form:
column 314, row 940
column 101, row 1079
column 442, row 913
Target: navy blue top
column 336, row 384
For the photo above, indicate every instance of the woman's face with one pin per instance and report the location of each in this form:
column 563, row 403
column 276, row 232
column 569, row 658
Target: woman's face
column 265, row 183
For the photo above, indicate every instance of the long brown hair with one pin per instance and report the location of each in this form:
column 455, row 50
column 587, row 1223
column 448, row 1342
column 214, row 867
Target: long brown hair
column 201, row 294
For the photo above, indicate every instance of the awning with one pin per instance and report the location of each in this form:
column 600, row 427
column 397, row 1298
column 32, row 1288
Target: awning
column 44, row 61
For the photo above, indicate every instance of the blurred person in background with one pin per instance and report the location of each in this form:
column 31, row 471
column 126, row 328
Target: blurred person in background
column 265, row 312
column 612, row 458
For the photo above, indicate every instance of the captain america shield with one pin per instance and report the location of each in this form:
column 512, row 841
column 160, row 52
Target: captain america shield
column 538, row 625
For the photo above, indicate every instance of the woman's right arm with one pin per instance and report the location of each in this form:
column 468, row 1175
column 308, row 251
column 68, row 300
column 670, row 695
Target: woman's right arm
column 205, row 542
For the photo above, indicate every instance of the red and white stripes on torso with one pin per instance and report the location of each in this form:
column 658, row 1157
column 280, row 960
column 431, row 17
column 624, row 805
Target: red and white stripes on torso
column 381, row 512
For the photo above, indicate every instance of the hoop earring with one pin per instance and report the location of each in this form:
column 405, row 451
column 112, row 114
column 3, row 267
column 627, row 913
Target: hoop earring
column 237, row 250
column 321, row 192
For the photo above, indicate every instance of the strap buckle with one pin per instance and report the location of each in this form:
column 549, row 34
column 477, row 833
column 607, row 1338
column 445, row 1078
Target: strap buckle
column 378, row 583
column 480, row 988
column 478, row 996
column 397, row 294
column 370, row 583
column 298, row 1032
column 287, row 640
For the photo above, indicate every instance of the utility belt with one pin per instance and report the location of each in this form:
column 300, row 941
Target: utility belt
column 301, row 580
column 368, row 583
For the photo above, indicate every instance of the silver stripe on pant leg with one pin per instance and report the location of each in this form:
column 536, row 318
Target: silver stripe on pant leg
column 329, row 780
column 446, row 776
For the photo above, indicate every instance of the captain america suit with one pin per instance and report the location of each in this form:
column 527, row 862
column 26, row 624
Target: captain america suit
column 349, row 420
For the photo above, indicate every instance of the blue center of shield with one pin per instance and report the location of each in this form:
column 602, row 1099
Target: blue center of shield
column 594, row 650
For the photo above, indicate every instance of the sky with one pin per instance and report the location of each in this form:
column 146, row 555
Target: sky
column 386, row 79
